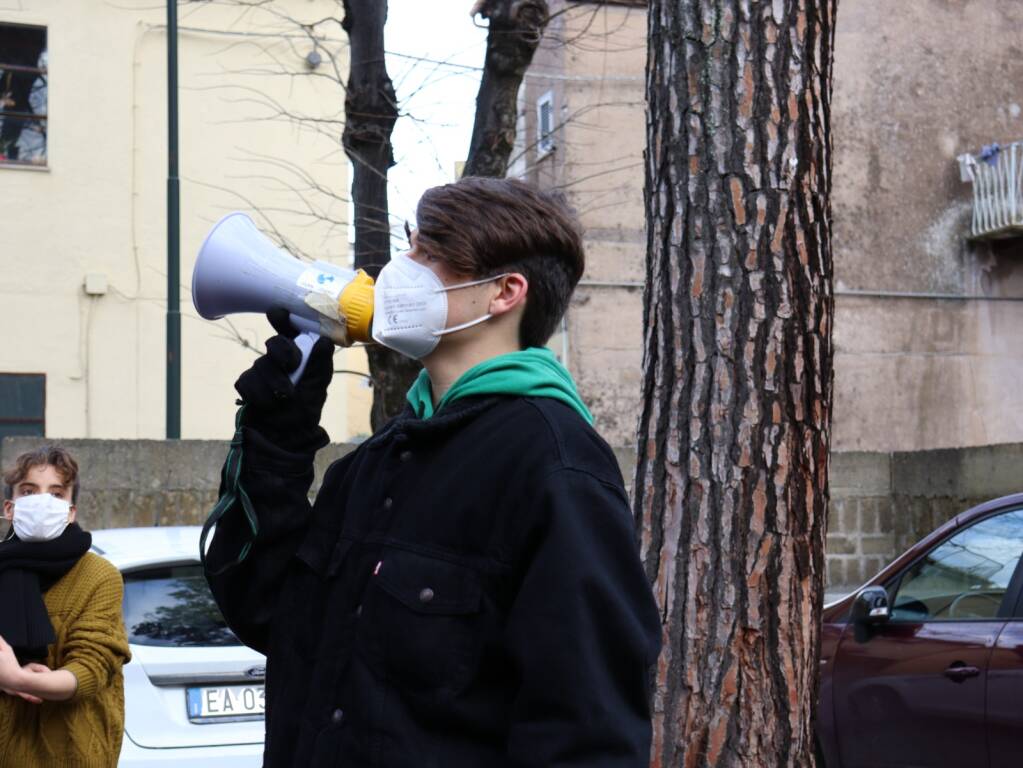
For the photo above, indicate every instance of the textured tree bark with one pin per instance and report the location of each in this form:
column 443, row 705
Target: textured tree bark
column 392, row 375
column 731, row 486
column 516, row 27
column 371, row 110
column 370, row 113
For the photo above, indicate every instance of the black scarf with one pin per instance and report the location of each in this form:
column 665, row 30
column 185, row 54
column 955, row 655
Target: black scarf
column 27, row 569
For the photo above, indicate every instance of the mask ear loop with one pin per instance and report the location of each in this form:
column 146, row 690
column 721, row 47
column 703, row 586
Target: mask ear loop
column 463, row 326
column 478, row 320
column 481, row 281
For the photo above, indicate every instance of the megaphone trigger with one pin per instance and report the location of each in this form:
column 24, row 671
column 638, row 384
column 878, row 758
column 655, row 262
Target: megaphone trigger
column 304, row 324
column 304, row 341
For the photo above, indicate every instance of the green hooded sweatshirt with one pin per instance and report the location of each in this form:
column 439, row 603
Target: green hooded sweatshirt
column 533, row 372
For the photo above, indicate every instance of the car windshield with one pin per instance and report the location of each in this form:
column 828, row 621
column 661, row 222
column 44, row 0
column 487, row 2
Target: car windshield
column 172, row 606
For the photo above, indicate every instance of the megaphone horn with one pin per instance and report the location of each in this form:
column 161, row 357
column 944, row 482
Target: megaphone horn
column 239, row 269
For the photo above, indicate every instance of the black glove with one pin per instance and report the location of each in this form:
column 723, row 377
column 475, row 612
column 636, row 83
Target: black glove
column 285, row 414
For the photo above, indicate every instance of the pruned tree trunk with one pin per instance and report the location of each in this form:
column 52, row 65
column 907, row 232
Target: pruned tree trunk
column 732, row 482
column 392, row 374
column 371, row 110
column 516, row 27
column 370, row 113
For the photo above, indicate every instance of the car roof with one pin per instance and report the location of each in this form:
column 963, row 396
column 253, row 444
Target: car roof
column 130, row 548
column 1013, row 500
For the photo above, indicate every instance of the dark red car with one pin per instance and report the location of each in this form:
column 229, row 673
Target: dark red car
column 924, row 665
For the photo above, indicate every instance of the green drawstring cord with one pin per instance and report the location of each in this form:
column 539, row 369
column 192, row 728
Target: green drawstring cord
column 233, row 492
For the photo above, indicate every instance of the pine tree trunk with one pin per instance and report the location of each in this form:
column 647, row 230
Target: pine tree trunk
column 370, row 113
column 732, row 482
column 516, row 27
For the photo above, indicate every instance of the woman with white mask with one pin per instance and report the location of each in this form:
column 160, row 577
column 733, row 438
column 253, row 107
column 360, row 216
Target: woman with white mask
column 62, row 638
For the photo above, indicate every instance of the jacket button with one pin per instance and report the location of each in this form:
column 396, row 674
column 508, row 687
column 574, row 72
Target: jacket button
column 337, row 716
column 358, row 610
column 388, row 502
column 405, row 455
column 426, row 595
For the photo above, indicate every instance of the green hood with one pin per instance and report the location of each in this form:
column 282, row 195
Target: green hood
column 533, row 372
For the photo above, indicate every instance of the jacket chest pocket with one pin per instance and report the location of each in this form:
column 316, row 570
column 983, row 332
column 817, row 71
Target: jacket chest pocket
column 420, row 623
column 305, row 624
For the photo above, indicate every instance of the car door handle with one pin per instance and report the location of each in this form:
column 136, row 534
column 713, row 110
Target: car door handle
column 959, row 671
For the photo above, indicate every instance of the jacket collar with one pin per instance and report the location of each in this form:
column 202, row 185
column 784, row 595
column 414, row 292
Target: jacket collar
column 407, row 427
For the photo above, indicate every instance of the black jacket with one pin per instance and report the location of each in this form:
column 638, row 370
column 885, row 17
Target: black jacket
column 465, row 591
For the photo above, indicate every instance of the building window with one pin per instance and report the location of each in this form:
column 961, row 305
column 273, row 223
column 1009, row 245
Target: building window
column 23, row 95
column 22, row 404
column 545, row 124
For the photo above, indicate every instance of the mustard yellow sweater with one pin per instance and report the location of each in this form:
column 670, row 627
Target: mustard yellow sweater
column 84, row 731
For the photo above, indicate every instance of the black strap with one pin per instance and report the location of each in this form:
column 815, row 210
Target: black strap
column 232, row 493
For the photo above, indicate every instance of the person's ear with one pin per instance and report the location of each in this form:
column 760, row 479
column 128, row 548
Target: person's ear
column 511, row 292
column 72, row 514
column 8, row 509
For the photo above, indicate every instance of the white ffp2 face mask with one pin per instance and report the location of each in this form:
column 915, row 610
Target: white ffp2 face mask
column 40, row 517
column 410, row 307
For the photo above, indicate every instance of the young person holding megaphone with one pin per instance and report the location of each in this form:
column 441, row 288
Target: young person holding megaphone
column 465, row 590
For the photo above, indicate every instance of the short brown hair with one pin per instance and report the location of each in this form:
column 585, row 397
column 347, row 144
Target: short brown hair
column 47, row 456
column 482, row 226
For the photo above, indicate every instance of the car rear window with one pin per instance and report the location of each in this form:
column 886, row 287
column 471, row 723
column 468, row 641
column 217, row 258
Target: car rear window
column 172, row 606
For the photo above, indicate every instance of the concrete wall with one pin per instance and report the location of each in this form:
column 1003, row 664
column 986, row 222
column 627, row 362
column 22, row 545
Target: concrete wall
column 99, row 206
column 915, row 85
column 126, row 483
column 881, row 503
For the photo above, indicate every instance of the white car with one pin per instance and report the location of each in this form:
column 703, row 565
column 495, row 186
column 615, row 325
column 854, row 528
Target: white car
column 193, row 694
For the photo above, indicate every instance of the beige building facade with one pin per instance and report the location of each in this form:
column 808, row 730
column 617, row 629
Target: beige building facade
column 83, row 265
column 582, row 132
column 929, row 324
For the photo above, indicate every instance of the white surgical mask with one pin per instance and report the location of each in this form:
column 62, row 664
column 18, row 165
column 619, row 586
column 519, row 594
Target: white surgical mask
column 410, row 307
column 40, row 517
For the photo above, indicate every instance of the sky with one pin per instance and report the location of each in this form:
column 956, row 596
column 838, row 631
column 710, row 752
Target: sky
column 435, row 58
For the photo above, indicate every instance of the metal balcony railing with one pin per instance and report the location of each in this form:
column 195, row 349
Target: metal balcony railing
column 996, row 173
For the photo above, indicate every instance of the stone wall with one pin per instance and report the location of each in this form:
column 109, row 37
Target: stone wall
column 880, row 502
column 861, row 517
column 126, row 483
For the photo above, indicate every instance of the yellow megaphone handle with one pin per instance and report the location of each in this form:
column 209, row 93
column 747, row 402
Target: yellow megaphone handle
column 356, row 306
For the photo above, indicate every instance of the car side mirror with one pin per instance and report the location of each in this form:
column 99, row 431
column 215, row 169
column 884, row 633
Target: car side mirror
column 871, row 606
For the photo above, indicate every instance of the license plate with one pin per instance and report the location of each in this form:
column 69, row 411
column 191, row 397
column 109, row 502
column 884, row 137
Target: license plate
column 224, row 701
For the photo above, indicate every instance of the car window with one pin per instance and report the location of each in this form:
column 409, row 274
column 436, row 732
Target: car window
column 173, row 606
column 964, row 577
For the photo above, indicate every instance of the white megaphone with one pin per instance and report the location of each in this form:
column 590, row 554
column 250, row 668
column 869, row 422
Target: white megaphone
column 239, row 269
